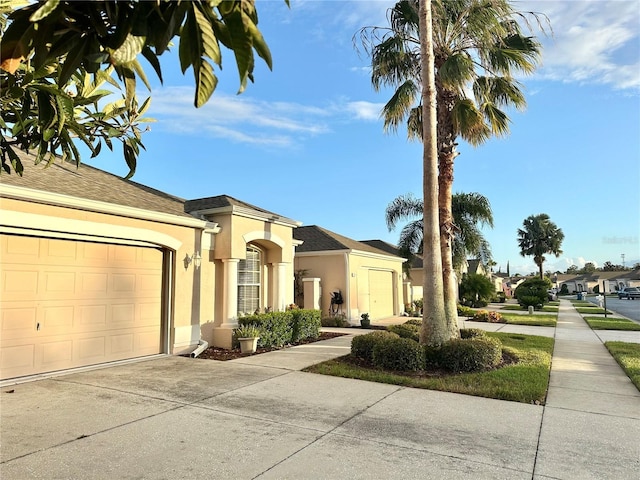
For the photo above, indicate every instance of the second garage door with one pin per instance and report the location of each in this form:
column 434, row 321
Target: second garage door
column 68, row 303
column 380, row 294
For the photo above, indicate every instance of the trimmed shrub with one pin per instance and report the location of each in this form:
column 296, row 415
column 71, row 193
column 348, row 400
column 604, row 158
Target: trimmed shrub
column 431, row 356
column 400, row 354
column 362, row 345
column 471, row 333
column 276, row 328
column 306, row 324
column 335, row 321
column 406, row 331
column 414, row 321
column 487, row 316
column 564, row 290
column 533, row 292
column 471, row 355
column 475, row 290
column 464, row 311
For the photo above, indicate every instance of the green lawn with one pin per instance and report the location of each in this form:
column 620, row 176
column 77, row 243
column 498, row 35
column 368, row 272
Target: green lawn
column 590, row 310
column 540, row 320
column 628, row 356
column 545, row 308
column 601, row 323
column 582, row 303
column 525, row 381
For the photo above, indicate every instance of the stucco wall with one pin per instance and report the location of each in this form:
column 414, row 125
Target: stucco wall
column 191, row 304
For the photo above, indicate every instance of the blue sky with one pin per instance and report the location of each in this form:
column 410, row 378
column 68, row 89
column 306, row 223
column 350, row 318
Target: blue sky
column 573, row 154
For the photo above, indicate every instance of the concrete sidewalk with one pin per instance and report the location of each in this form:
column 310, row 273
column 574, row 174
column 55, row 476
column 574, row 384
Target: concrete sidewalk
column 260, row 417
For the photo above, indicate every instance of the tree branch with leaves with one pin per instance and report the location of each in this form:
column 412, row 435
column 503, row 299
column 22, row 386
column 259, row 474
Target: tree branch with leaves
column 55, row 54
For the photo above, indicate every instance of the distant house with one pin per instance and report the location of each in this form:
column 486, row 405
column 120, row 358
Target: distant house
column 604, row 282
column 368, row 279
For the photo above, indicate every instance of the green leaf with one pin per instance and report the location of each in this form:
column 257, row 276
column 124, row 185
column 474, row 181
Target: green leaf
column 130, row 158
column 45, row 10
column 206, row 83
column 72, row 62
column 185, row 50
column 128, row 51
column 65, row 111
column 153, row 60
column 46, row 110
column 260, row 44
column 208, row 41
column 145, row 105
column 241, row 44
column 138, row 69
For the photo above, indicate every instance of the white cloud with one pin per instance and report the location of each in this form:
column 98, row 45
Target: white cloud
column 247, row 120
column 365, row 110
column 592, row 42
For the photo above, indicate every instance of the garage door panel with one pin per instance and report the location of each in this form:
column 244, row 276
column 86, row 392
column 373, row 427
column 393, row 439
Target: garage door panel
column 380, row 293
column 76, row 303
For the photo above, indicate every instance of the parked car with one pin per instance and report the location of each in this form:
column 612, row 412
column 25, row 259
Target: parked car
column 629, row 293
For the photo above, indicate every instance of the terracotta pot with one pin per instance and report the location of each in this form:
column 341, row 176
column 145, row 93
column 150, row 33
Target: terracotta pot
column 248, row 345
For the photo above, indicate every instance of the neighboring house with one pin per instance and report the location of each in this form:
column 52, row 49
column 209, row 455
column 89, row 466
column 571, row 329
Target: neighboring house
column 412, row 288
column 606, row 282
column 369, row 279
column 95, row 268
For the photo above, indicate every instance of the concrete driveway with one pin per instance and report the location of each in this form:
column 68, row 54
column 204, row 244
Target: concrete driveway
column 260, row 417
column 174, row 417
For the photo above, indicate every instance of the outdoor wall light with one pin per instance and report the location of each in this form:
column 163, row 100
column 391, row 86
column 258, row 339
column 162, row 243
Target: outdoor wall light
column 196, row 258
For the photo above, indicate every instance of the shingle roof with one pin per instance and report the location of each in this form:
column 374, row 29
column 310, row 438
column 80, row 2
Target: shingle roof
column 416, row 261
column 92, row 184
column 222, row 201
column 318, row 239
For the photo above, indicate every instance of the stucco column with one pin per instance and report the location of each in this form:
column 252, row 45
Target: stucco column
column 230, row 292
column 279, row 300
column 311, row 293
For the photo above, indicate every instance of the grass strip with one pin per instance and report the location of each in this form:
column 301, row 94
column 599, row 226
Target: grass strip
column 525, row 381
column 591, row 310
column 545, row 308
column 538, row 320
column 628, row 357
column 601, row 323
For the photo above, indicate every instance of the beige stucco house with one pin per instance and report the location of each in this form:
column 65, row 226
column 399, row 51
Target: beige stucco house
column 369, row 279
column 95, row 268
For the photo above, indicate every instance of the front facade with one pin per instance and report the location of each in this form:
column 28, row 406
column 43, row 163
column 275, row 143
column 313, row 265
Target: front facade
column 368, row 279
column 94, row 268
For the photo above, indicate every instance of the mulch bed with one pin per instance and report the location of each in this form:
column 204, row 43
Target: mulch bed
column 215, row 353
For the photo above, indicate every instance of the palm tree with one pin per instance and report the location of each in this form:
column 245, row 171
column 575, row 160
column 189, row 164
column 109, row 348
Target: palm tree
column 436, row 328
column 478, row 47
column 471, row 211
column 539, row 236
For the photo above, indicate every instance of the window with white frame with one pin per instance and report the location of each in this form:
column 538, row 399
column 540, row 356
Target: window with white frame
column 249, row 281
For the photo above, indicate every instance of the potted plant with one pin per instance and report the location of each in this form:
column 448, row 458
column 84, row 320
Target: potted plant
column 364, row 320
column 248, row 336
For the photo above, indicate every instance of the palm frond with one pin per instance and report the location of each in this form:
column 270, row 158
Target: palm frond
column 398, row 108
column 401, row 208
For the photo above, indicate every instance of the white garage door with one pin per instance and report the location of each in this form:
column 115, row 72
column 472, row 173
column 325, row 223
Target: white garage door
column 69, row 303
column 380, row 294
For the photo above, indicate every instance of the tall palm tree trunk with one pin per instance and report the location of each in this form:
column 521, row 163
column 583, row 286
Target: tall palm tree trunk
column 446, row 155
column 434, row 326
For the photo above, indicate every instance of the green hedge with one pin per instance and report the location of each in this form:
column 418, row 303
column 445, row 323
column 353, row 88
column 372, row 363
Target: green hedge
column 362, row 345
column 399, row 354
column 306, row 324
column 406, row 331
column 279, row 328
column 471, row 355
column 471, row 333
